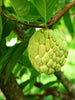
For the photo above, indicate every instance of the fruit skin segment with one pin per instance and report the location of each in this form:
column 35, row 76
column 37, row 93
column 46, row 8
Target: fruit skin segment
column 47, row 50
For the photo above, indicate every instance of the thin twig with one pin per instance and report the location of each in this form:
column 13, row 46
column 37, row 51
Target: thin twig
column 23, row 23
column 37, row 95
column 50, row 23
column 51, row 91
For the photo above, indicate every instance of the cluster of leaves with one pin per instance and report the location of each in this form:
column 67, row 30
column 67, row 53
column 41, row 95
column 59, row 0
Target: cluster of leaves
column 30, row 11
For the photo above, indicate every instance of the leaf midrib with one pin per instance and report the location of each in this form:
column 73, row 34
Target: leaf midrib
column 45, row 11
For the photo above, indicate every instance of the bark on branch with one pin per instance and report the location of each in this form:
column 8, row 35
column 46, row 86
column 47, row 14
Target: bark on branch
column 70, row 88
column 60, row 14
column 11, row 90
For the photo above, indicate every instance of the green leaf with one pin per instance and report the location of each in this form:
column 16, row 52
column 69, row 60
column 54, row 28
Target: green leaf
column 17, row 70
column 24, row 60
column 45, row 7
column 29, row 85
column 23, row 71
column 1, row 97
column 0, row 27
column 21, row 7
column 14, row 58
column 5, row 57
column 33, row 14
column 22, row 85
column 8, row 25
column 68, row 23
column 49, row 84
column 74, row 26
column 3, row 46
column 0, row 2
column 31, row 18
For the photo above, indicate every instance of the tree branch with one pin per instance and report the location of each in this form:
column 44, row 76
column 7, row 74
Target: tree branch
column 66, row 83
column 11, row 90
column 60, row 14
column 50, row 23
column 55, row 93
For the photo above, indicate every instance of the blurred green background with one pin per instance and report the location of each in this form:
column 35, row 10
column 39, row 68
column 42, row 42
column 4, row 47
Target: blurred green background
column 24, row 72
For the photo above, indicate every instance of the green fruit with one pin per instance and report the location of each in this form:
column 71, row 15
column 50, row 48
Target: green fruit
column 47, row 50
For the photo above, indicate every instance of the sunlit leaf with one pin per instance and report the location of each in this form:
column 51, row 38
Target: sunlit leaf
column 8, row 25
column 21, row 7
column 45, row 7
column 14, row 58
column 68, row 23
column 24, row 60
column 5, row 57
column 22, row 85
column 74, row 26
column 18, row 53
column 49, row 84
column 0, row 2
column 33, row 14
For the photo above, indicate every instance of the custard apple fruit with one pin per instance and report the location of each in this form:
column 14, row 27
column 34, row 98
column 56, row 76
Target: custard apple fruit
column 47, row 50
